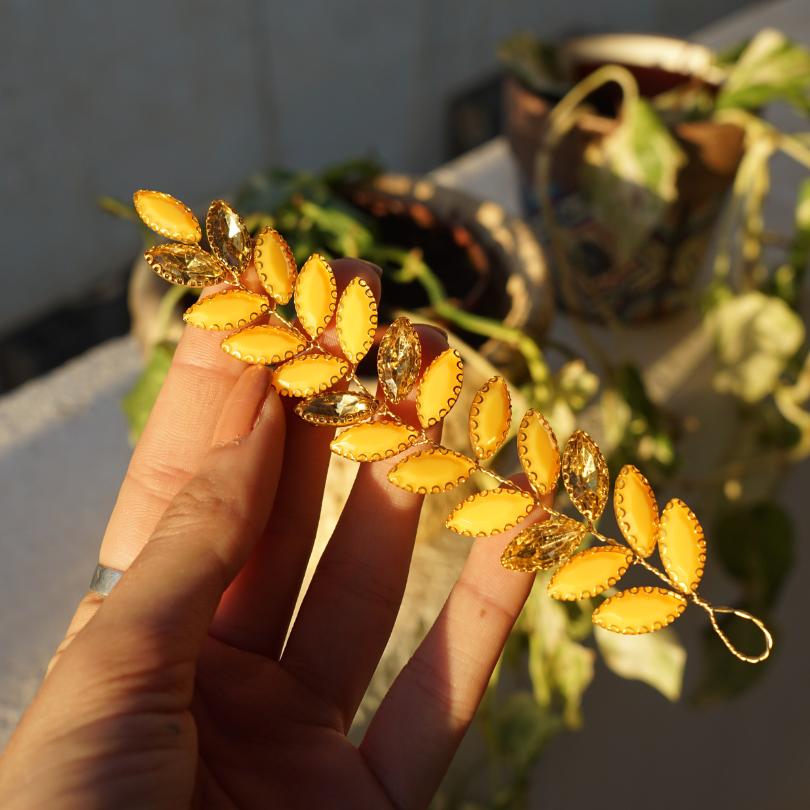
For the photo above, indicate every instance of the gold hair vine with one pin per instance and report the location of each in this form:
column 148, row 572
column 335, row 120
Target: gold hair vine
column 305, row 369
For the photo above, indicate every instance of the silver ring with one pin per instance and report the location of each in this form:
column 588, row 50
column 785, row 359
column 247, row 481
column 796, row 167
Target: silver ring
column 104, row 579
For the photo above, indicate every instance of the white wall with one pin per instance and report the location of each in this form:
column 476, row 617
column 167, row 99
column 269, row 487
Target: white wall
column 190, row 97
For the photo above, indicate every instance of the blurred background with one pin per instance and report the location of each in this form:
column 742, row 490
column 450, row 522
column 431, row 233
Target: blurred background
column 607, row 203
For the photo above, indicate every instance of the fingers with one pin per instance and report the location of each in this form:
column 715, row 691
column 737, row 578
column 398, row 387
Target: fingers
column 255, row 611
column 422, row 720
column 153, row 623
column 350, row 607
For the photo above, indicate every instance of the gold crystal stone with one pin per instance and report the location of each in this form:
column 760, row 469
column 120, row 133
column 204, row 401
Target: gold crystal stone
column 186, row 265
column 315, row 295
column 264, row 344
column 636, row 510
column 398, row 360
column 681, row 545
column 639, row 610
column 373, row 441
column 275, row 264
column 229, row 309
column 590, row 572
column 538, row 452
column 356, row 320
column 490, row 417
column 585, row 475
column 543, row 545
column 439, row 388
column 228, row 237
column 431, row 471
column 167, row 216
column 309, row 374
column 490, row 512
column 337, row 408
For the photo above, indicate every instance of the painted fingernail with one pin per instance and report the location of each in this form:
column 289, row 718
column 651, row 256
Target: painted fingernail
column 438, row 329
column 371, row 266
column 244, row 405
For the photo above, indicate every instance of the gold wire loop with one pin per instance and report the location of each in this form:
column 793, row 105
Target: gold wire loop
column 746, row 616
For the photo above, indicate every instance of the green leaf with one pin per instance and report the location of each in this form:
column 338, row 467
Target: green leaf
column 137, row 404
column 532, row 61
column 630, row 176
column 771, row 68
column 520, row 728
column 755, row 336
column 657, row 659
column 755, row 544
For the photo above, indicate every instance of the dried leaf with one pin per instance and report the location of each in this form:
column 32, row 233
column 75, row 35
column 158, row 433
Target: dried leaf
column 185, row 265
column 490, row 417
column 539, row 452
column 432, row 471
column 338, row 408
column 356, row 320
column 315, row 295
column 544, row 545
column 275, row 264
column 265, row 344
column 309, row 374
column 399, row 359
column 585, row 475
column 439, row 388
column 590, row 572
column 167, row 216
column 228, row 237
column 681, row 545
column 639, row 610
column 230, row 309
column 490, row 512
column 374, row 441
column 636, row 510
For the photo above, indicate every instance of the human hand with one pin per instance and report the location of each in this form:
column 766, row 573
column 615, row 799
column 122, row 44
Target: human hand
column 182, row 687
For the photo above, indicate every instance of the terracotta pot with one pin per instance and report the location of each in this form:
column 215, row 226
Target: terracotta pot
column 657, row 280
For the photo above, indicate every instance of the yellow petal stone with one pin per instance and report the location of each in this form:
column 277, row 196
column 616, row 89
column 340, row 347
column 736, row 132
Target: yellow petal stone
column 681, row 545
column 309, row 374
column 275, row 264
column 228, row 237
column 398, row 360
column 490, row 512
column 374, row 441
column 315, row 295
column 543, row 545
column 636, row 510
column 639, row 610
column 230, row 309
column 590, row 572
column 432, row 471
column 186, row 265
column 264, row 344
column 585, row 475
column 439, row 388
column 490, row 417
column 356, row 320
column 167, row 216
column 538, row 452
column 337, row 408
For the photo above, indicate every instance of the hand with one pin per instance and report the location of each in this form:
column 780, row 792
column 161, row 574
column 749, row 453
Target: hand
column 182, row 687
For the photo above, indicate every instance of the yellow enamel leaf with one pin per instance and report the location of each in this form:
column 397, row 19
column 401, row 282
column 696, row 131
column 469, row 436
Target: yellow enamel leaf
column 264, row 344
column 167, row 216
column 230, row 309
column 681, row 545
column 544, row 544
column 490, row 417
column 356, row 320
column 315, row 295
column 585, row 475
column 636, row 510
column 399, row 359
column 639, row 610
column 432, row 471
column 590, row 572
column 186, row 265
column 539, row 452
column 490, row 512
column 337, row 408
column 309, row 374
column 275, row 264
column 374, row 440
column 439, row 388
column 228, row 237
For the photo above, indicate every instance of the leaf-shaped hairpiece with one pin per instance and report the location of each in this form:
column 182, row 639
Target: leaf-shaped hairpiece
column 372, row 428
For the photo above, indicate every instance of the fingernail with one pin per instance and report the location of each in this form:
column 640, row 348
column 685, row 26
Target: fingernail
column 438, row 329
column 244, row 405
column 371, row 266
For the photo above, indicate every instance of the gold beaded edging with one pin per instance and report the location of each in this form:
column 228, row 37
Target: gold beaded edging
column 621, row 513
column 263, row 309
column 220, row 208
column 665, row 551
column 486, row 493
column 340, row 320
column 524, row 452
column 435, row 489
column 475, row 412
column 596, row 589
column 292, row 268
column 263, row 359
column 318, row 331
column 154, row 225
column 412, row 438
column 678, row 598
column 303, row 359
column 424, row 420
column 577, row 439
column 332, row 421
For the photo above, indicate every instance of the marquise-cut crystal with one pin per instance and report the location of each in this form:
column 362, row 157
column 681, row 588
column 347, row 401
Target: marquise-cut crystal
column 544, row 545
column 399, row 359
column 337, row 408
column 228, row 237
column 585, row 475
column 187, row 265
